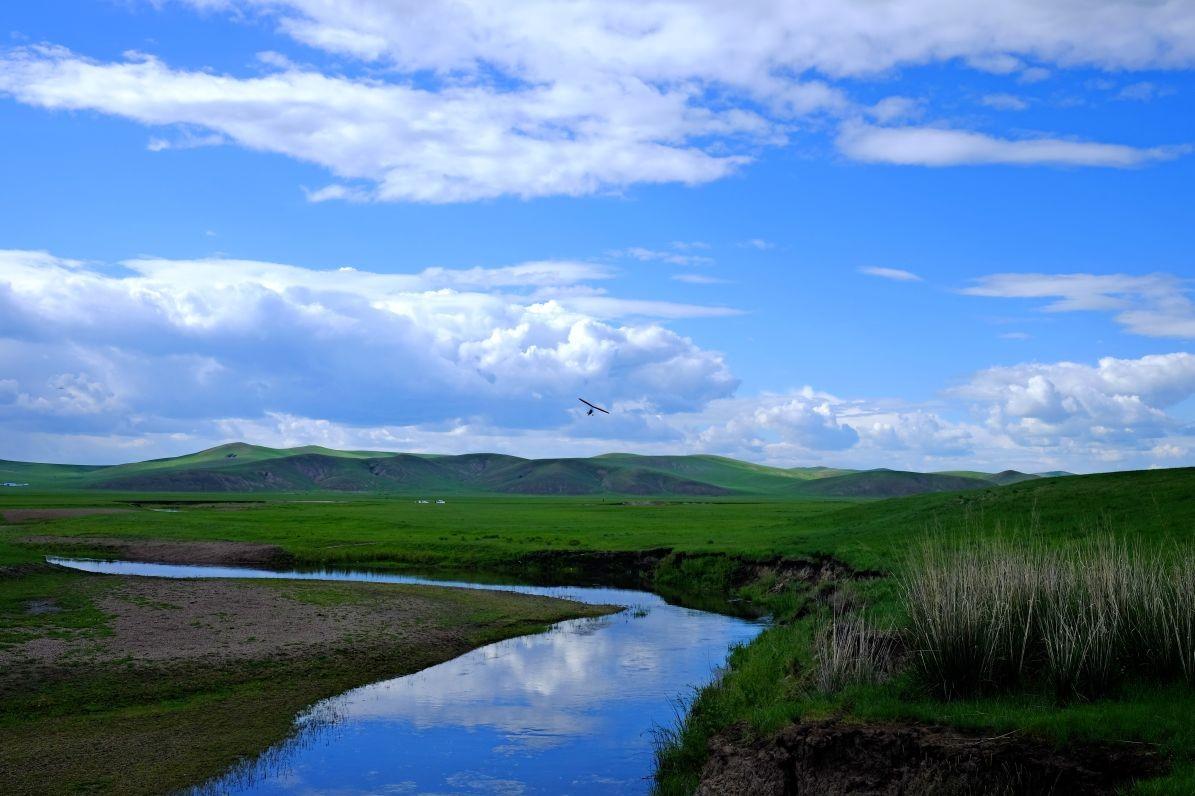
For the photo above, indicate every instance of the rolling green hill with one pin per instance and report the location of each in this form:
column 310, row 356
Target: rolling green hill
column 246, row 468
column 57, row 475
column 230, row 454
column 1003, row 477
column 811, row 473
column 240, row 467
column 1011, row 477
column 235, row 453
column 886, row 484
column 721, row 471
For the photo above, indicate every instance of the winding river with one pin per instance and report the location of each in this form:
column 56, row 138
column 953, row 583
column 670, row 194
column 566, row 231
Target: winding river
column 569, row 711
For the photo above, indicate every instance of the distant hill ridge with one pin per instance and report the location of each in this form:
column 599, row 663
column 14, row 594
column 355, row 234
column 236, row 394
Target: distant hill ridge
column 241, row 467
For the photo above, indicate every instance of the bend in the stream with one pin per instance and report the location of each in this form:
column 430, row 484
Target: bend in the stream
column 571, row 710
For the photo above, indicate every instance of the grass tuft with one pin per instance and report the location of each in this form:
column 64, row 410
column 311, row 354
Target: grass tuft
column 990, row 616
column 849, row 650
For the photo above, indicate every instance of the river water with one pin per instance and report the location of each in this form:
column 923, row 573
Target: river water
column 569, row 711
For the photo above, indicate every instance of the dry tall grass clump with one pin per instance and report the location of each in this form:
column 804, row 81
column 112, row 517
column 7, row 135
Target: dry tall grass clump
column 849, row 650
column 991, row 615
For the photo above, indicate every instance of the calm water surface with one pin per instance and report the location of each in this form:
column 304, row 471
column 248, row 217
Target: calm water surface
column 570, row 711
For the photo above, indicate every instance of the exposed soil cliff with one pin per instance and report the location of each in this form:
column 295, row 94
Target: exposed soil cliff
column 832, row 757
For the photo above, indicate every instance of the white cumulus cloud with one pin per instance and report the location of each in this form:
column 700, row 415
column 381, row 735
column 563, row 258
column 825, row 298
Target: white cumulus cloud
column 1117, row 402
column 1155, row 305
column 405, row 143
column 895, row 274
column 168, row 342
column 941, row 146
column 445, row 101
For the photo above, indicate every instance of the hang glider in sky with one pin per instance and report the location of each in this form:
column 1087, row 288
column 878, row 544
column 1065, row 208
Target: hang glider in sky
column 592, row 407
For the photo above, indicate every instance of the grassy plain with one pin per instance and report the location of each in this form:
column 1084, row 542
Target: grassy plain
column 768, row 684
column 466, row 532
column 340, row 529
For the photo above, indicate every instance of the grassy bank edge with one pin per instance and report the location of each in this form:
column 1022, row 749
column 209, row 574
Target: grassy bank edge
column 770, row 683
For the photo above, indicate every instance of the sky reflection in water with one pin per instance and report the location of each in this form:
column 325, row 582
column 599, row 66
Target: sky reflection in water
column 567, row 711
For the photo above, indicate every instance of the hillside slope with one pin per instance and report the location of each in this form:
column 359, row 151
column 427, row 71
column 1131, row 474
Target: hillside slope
column 409, row 474
column 58, row 475
column 1002, row 477
column 1134, row 505
column 886, row 484
column 720, row 471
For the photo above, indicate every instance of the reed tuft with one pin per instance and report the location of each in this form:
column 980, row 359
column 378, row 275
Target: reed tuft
column 990, row 616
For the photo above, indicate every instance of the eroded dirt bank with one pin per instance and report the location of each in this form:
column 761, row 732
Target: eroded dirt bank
column 711, row 581
column 833, row 758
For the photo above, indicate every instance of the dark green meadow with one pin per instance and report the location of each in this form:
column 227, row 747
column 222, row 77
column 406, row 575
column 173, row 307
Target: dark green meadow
column 708, row 540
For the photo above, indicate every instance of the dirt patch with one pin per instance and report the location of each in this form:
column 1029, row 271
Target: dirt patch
column 833, row 757
column 157, row 620
column 164, row 551
column 33, row 515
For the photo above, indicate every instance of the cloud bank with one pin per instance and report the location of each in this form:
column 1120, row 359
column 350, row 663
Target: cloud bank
column 165, row 342
column 154, row 356
column 452, row 102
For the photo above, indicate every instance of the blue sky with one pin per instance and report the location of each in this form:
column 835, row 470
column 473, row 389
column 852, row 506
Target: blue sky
column 908, row 234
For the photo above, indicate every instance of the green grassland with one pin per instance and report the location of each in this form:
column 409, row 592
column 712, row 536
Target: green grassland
column 464, row 532
column 709, row 536
column 472, row 531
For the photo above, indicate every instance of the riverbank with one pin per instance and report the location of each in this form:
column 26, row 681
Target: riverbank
column 145, row 685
